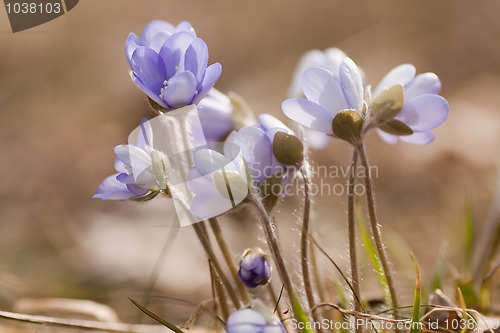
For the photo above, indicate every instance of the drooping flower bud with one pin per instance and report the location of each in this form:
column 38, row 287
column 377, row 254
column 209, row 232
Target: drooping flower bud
column 255, row 268
column 256, row 319
column 347, row 125
column 288, row 149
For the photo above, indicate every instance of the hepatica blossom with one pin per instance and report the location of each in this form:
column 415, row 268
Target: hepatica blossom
column 423, row 109
column 255, row 269
column 403, row 106
column 326, row 94
column 218, row 182
column 328, row 59
column 142, row 171
column 256, row 143
column 219, row 177
column 256, row 319
column 169, row 64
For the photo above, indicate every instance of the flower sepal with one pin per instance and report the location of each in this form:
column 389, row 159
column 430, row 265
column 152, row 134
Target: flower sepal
column 288, row 149
column 149, row 196
column 395, row 127
column 348, row 126
column 156, row 107
column 387, row 105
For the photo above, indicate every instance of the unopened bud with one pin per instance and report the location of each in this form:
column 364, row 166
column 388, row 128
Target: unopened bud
column 348, row 125
column 255, row 268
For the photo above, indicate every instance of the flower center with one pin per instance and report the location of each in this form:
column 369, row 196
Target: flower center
column 160, row 168
column 165, row 84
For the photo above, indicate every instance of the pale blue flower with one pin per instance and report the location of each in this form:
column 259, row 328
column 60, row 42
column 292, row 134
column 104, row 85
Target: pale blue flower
column 154, row 35
column 256, row 144
column 423, row 109
column 326, row 94
column 218, row 179
column 142, row 170
column 256, row 319
column 218, row 182
column 329, row 59
column 169, row 64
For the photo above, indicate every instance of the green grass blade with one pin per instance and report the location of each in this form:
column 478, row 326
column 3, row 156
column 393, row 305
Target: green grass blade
column 162, row 321
column 371, row 251
column 468, row 292
column 437, row 274
column 469, row 224
column 415, row 317
column 341, row 295
column 301, row 316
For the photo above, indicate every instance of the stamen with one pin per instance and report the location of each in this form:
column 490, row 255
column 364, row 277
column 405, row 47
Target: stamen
column 165, row 84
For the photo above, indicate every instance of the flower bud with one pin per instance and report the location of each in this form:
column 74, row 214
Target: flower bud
column 388, row 104
column 347, row 125
column 256, row 319
column 254, row 269
column 288, row 149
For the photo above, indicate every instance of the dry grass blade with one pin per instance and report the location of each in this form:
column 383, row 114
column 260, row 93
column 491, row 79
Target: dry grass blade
column 159, row 319
column 84, row 324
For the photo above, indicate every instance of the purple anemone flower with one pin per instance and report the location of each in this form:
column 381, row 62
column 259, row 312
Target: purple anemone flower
column 154, row 35
column 329, row 59
column 142, row 170
column 169, row 64
column 255, row 269
column 326, row 94
column 256, row 144
column 218, row 182
column 256, row 319
column 423, row 108
column 218, row 179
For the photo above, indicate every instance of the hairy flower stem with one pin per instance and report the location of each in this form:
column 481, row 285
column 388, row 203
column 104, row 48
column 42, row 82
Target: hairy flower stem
column 351, row 226
column 205, row 242
column 304, row 241
column 377, row 236
column 317, row 276
column 219, row 237
column 272, row 240
column 219, row 294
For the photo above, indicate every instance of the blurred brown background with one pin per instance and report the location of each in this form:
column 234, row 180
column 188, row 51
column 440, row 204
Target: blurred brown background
column 66, row 100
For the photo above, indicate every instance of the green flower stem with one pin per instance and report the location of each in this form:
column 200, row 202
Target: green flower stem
column 272, row 240
column 304, row 242
column 201, row 232
column 351, row 226
column 377, row 236
column 219, row 237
